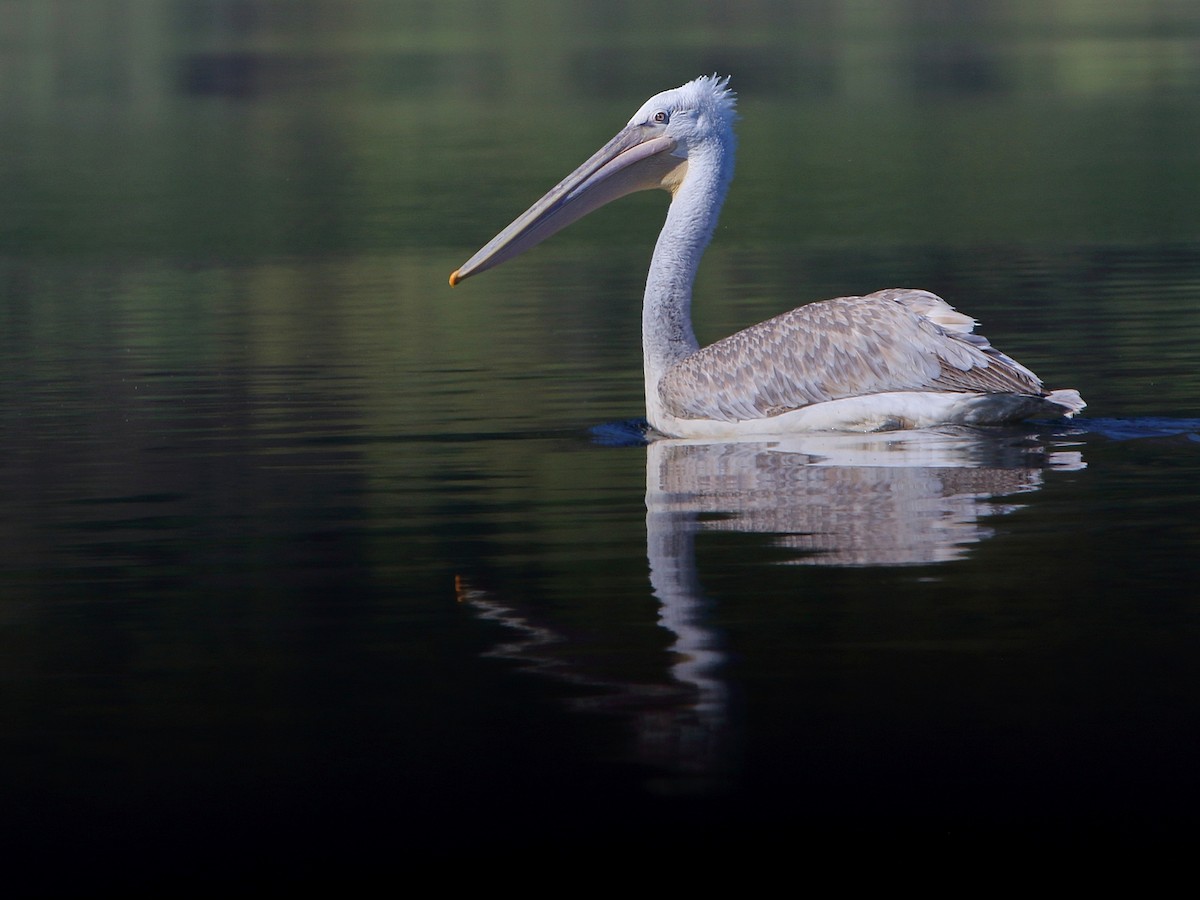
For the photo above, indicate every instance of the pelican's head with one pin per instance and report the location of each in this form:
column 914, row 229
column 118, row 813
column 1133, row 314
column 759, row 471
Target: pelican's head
column 697, row 116
column 692, row 121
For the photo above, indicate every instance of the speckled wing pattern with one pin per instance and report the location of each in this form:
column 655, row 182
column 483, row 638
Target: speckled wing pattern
column 893, row 340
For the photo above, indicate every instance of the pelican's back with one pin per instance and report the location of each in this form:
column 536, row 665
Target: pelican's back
column 889, row 341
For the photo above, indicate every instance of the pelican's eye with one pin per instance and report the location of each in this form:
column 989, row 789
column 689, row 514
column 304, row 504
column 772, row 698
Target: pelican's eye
column 662, row 117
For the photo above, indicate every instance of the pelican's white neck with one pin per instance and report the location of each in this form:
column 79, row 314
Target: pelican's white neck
column 667, row 334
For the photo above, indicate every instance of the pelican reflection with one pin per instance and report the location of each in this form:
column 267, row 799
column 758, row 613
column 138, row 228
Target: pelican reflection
column 887, row 499
column 892, row 498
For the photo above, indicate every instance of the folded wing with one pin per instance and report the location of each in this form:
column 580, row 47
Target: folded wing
column 893, row 340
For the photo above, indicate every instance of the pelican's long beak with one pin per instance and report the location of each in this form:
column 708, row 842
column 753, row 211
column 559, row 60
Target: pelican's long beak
column 637, row 159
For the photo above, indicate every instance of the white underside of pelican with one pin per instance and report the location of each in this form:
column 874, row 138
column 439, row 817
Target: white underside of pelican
column 876, row 412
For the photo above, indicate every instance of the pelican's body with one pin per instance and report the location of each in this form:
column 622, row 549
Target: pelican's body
column 897, row 358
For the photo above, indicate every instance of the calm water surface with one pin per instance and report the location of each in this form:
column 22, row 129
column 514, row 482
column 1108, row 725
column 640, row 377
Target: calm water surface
column 312, row 568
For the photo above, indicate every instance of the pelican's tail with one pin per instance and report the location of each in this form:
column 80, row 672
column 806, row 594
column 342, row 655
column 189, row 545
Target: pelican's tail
column 1068, row 401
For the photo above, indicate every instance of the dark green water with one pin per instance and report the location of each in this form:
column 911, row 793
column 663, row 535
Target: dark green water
column 311, row 568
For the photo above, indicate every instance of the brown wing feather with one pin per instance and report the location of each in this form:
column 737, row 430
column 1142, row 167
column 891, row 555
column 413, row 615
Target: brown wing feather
column 893, row 340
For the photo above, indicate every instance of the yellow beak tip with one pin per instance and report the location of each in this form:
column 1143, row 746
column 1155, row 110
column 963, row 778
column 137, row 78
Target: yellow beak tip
column 454, row 279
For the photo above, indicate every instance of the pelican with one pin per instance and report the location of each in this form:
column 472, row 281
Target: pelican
column 897, row 358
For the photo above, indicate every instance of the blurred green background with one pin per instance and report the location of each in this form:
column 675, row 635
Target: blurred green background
column 196, row 127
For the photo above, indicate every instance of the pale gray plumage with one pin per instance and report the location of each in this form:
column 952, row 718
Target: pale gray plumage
column 846, row 347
